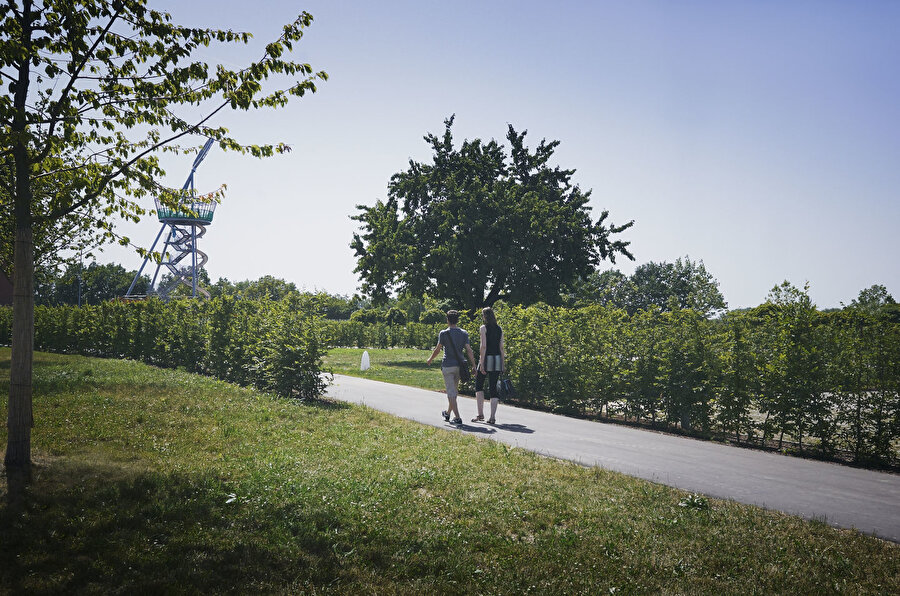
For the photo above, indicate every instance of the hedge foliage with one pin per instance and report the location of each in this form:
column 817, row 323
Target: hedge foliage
column 780, row 372
column 276, row 346
column 356, row 333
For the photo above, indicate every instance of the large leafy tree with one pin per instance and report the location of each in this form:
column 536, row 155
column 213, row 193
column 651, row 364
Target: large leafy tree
column 873, row 299
column 682, row 284
column 481, row 223
column 667, row 286
column 607, row 288
column 93, row 91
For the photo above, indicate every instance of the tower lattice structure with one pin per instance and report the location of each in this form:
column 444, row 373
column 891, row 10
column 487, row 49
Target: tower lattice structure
column 182, row 226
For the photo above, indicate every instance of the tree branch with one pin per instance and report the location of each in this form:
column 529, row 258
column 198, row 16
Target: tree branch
column 54, row 112
column 14, row 9
column 101, row 186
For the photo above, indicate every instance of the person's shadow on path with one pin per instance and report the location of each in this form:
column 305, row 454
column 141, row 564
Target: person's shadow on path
column 489, row 430
column 516, row 428
column 471, row 428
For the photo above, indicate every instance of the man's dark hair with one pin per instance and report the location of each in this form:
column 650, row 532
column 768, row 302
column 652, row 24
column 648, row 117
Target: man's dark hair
column 453, row 317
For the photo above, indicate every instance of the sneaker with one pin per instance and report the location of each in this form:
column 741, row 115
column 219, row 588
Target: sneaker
column 492, row 421
column 457, row 421
column 446, row 416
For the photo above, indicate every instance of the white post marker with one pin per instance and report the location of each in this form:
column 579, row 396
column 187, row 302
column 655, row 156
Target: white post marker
column 364, row 363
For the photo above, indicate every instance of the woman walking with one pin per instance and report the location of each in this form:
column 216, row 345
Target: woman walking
column 452, row 339
column 491, row 362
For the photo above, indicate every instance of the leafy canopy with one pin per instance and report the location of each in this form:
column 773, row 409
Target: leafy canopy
column 55, row 241
column 94, row 91
column 873, row 299
column 482, row 223
column 668, row 286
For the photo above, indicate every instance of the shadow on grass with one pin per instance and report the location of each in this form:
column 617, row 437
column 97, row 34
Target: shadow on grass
column 103, row 528
column 322, row 403
column 39, row 362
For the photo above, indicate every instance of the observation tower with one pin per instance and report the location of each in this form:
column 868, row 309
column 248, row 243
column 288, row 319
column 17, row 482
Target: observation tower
column 185, row 224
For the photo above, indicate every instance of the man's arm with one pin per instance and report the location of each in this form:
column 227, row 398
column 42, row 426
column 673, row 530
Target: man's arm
column 437, row 350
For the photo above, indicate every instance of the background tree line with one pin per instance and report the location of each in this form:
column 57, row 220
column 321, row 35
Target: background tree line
column 95, row 283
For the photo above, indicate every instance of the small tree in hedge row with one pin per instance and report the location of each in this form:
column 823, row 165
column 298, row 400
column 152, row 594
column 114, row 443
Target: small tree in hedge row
column 395, row 316
column 739, row 376
column 433, row 317
column 291, row 349
column 686, row 370
column 368, row 316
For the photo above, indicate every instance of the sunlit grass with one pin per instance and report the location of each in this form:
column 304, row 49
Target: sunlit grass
column 396, row 365
column 149, row 480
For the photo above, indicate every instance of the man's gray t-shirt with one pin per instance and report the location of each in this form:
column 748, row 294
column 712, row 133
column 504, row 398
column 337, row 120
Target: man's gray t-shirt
column 460, row 340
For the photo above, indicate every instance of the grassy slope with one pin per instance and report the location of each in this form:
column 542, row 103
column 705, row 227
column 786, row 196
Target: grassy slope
column 148, row 479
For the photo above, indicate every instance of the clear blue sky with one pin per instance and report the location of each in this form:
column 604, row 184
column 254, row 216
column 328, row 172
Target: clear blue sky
column 760, row 137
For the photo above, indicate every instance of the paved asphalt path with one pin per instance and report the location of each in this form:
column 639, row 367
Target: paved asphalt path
column 838, row 495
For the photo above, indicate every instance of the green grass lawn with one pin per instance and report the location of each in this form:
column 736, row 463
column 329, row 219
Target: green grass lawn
column 396, row 365
column 151, row 480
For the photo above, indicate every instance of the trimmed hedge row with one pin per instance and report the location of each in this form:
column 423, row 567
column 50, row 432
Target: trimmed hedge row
column 358, row 334
column 778, row 373
column 275, row 346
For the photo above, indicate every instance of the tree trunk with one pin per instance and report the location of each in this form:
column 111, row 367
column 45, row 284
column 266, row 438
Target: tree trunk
column 858, row 442
column 494, row 293
column 20, row 418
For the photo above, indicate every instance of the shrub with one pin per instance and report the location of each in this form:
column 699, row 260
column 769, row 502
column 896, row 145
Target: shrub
column 275, row 346
column 433, row 317
column 368, row 316
column 395, row 316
